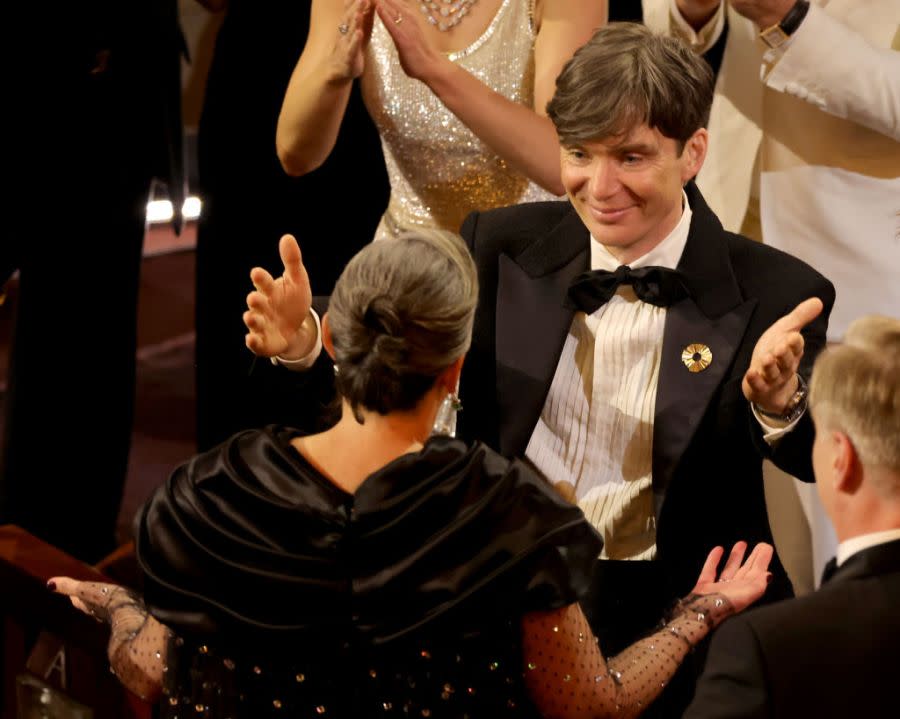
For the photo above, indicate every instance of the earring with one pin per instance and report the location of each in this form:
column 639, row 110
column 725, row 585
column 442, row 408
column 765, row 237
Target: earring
column 445, row 421
column 337, row 370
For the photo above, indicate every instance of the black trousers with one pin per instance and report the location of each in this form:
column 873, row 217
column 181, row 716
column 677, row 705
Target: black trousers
column 75, row 232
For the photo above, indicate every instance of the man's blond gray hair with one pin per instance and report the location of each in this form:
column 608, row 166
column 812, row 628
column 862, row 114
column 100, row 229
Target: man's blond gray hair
column 855, row 389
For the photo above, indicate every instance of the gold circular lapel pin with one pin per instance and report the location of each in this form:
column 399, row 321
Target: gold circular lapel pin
column 696, row 357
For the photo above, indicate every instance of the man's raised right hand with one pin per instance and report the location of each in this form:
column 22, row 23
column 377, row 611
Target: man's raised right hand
column 278, row 317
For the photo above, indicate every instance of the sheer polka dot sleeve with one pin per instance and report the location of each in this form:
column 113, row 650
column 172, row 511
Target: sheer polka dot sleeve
column 568, row 677
column 138, row 643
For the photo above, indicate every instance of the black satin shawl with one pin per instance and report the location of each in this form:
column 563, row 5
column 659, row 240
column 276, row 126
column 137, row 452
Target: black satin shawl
column 250, row 538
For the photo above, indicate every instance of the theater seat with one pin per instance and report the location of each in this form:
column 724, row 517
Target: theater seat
column 52, row 653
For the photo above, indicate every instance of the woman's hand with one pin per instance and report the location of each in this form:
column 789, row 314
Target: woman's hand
column 98, row 600
column 417, row 58
column 740, row 582
column 278, row 318
column 138, row 644
column 353, row 34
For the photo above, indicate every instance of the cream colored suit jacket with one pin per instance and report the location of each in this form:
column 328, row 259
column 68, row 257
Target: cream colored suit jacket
column 813, row 133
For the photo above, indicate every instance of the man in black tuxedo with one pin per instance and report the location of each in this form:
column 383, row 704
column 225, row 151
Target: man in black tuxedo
column 637, row 410
column 832, row 653
column 660, row 394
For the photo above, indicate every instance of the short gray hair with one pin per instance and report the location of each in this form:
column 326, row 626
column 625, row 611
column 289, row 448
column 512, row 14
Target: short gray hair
column 401, row 312
column 855, row 388
column 626, row 76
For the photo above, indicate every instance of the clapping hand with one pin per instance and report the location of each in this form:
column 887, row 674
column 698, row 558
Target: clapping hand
column 417, row 57
column 771, row 380
column 278, row 316
column 354, row 32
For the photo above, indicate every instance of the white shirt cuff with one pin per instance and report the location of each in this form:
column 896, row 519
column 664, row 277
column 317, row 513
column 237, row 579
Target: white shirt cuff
column 307, row 361
column 773, row 434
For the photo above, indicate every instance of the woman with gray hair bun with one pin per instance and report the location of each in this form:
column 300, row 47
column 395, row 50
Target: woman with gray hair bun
column 373, row 569
column 400, row 315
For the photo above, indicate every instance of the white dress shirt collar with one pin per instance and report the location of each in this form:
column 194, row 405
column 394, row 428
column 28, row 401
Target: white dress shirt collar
column 853, row 545
column 666, row 254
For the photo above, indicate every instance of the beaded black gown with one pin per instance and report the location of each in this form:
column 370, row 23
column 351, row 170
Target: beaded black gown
column 290, row 597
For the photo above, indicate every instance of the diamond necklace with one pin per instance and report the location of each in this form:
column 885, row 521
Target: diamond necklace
column 445, row 14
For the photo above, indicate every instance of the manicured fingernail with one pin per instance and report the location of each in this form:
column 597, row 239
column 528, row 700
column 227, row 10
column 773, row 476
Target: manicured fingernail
column 51, row 585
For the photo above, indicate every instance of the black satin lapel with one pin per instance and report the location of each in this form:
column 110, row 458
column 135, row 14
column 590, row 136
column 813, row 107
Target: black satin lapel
column 705, row 262
column 532, row 324
column 683, row 396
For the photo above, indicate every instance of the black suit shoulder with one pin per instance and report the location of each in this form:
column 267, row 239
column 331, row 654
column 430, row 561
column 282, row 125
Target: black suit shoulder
column 762, row 271
column 779, row 282
column 829, row 653
column 854, row 603
column 510, row 230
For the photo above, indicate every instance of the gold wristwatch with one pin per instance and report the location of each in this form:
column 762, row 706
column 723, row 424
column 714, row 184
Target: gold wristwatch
column 778, row 34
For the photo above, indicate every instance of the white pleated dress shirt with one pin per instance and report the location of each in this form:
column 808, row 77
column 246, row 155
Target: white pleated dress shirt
column 594, row 438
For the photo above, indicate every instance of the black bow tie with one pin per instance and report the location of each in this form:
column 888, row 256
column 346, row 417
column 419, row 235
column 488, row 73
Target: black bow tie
column 658, row 286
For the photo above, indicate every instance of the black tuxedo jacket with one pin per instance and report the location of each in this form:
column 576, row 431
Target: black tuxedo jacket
column 707, row 447
column 832, row 653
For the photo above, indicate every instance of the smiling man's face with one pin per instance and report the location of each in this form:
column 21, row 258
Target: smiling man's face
column 627, row 189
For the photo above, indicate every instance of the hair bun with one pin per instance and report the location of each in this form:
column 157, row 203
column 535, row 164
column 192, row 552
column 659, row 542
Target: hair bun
column 381, row 316
column 400, row 313
column 387, row 346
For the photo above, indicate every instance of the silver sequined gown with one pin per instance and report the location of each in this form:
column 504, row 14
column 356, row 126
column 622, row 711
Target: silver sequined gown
column 439, row 170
